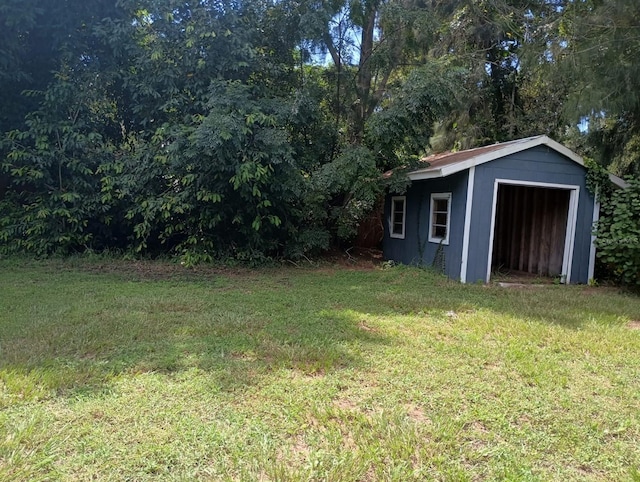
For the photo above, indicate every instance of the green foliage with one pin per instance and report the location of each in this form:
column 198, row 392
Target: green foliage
column 500, row 97
column 53, row 201
column 400, row 131
column 36, row 38
column 348, row 187
column 615, row 142
column 216, row 130
column 208, row 183
column 187, row 137
column 618, row 233
column 598, row 181
column 600, row 62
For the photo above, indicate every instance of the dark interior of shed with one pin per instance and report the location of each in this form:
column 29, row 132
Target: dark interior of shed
column 530, row 230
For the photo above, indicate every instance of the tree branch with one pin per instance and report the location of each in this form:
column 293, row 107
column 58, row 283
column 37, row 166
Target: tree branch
column 335, row 55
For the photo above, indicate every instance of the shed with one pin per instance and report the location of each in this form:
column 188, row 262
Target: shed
column 520, row 206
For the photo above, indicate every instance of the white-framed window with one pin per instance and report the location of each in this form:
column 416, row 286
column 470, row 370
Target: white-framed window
column 440, row 218
column 398, row 215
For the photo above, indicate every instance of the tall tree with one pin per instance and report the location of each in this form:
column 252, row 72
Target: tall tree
column 368, row 41
column 508, row 92
column 372, row 48
column 33, row 37
column 599, row 57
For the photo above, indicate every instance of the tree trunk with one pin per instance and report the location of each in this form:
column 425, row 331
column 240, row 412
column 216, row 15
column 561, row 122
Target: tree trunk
column 364, row 76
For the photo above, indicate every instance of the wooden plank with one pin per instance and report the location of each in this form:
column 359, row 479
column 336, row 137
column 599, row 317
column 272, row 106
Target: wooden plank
column 516, row 219
column 497, row 247
column 500, row 226
column 553, row 233
column 545, row 225
column 523, row 258
column 559, row 232
column 533, row 239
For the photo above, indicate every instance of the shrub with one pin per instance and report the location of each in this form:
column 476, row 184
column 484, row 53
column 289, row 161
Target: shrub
column 618, row 233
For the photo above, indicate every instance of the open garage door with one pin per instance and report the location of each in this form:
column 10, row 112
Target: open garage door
column 531, row 230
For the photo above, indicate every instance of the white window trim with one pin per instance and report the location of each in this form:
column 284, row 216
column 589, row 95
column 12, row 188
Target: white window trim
column 434, row 196
column 392, row 223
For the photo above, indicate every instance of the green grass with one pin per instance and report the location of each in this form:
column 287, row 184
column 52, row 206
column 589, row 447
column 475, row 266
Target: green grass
column 136, row 371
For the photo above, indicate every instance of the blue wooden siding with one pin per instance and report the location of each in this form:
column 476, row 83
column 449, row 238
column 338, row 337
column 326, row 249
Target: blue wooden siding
column 539, row 164
column 415, row 248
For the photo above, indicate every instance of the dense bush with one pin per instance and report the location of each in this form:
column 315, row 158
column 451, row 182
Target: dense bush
column 618, row 233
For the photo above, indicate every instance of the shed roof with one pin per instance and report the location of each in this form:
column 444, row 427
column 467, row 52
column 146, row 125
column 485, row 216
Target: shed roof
column 447, row 163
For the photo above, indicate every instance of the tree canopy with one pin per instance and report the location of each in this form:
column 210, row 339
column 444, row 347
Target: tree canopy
column 209, row 129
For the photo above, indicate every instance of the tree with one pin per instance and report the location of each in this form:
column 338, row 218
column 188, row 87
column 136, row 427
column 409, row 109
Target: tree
column 176, row 115
column 33, row 37
column 209, row 164
column 598, row 57
column 53, row 202
column 373, row 47
column 369, row 42
column 509, row 90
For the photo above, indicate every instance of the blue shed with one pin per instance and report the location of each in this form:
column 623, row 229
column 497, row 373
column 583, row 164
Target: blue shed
column 519, row 207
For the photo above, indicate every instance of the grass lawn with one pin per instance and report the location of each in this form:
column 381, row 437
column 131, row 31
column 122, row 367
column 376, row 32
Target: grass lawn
column 135, row 371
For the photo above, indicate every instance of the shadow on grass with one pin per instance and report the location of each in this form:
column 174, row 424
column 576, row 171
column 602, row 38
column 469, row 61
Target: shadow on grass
column 236, row 350
column 83, row 330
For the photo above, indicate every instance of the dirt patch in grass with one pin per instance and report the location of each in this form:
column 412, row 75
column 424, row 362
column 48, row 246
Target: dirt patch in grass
column 491, row 366
column 297, row 451
column 477, row 426
column 300, row 447
column 365, row 327
column 634, row 325
column 417, row 415
column 159, row 270
column 355, row 259
column 346, row 405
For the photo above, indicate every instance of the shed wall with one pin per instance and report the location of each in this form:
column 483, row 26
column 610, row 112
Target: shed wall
column 539, row 164
column 415, row 248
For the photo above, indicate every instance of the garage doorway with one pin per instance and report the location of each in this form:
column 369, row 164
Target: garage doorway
column 533, row 226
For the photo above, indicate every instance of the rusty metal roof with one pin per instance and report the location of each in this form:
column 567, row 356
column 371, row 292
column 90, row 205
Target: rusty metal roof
column 447, row 163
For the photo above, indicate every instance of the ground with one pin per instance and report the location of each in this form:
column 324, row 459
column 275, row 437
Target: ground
column 349, row 369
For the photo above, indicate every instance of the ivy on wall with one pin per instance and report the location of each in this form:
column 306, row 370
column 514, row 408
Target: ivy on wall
column 618, row 230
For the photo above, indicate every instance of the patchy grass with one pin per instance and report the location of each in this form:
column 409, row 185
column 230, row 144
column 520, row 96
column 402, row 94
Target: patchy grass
column 138, row 371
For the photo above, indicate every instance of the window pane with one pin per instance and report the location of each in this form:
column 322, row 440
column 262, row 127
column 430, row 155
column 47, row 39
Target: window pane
column 440, row 218
column 439, row 228
column 397, row 224
column 440, row 231
column 397, row 216
column 440, row 205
